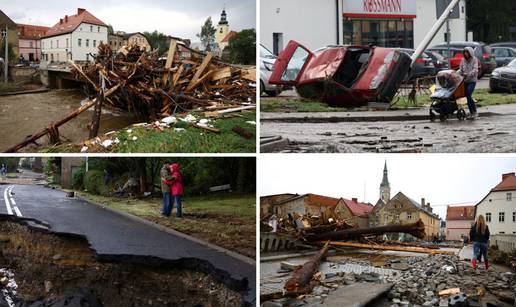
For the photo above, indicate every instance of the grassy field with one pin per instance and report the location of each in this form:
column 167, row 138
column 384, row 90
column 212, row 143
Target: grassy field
column 483, row 97
column 227, row 221
column 191, row 140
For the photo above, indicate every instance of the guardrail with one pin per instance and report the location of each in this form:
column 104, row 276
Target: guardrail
column 505, row 242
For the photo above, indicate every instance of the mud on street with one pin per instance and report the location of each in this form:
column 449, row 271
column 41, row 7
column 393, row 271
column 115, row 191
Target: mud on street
column 485, row 134
column 22, row 115
column 41, row 268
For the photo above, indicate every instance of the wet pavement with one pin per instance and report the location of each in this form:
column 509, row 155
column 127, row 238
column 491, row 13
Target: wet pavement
column 23, row 115
column 383, row 131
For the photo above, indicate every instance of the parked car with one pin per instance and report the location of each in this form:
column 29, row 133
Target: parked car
column 267, row 60
column 482, row 52
column 503, row 55
column 453, row 54
column 440, row 62
column 504, row 44
column 342, row 75
column 504, row 78
column 423, row 67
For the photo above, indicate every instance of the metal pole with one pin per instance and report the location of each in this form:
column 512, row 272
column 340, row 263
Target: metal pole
column 431, row 34
column 6, row 60
column 448, row 41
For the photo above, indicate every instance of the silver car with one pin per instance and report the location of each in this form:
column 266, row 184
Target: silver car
column 267, row 60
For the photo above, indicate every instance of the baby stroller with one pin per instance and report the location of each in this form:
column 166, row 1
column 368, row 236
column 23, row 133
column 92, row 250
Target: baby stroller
column 447, row 98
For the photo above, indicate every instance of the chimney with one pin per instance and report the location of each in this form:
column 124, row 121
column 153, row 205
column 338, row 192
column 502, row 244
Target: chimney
column 80, row 11
column 61, row 21
column 66, row 18
column 355, row 200
column 423, row 203
column 429, row 208
column 505, row 176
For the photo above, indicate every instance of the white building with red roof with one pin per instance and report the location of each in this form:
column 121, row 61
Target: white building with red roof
column 499, row 206
column 74, row 37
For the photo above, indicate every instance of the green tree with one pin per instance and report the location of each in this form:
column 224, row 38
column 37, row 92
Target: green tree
column 157, row 40
column 207, row 35
column 10, row 163
column 490, row 20
column 242, row 48
column 10, row 50
column 110, row 29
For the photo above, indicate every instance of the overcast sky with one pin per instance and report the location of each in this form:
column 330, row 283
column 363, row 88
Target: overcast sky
column 182, row 18
column 440, row 179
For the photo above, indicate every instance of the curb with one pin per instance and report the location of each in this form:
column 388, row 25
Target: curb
column 341, row 119
column 134, row 218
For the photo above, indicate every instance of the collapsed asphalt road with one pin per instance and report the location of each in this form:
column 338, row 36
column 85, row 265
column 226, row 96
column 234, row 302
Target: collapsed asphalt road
column 393, row 131
column 115, row 238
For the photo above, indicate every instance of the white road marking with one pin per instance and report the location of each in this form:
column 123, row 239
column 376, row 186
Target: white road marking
column 7, row 205
column 18, row 213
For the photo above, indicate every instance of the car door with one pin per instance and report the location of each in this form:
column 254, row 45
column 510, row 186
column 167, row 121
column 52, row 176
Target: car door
column 290, row 64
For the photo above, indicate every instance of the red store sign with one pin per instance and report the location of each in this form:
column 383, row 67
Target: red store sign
column 380, row 8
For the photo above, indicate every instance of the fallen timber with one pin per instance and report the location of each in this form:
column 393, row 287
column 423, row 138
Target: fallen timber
column 416, row 229
column 391, row 248
column 139, row 82
column 301, row 277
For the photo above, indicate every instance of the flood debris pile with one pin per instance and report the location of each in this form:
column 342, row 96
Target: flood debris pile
column 50, row 270
column 141, row 82
column 443, row 280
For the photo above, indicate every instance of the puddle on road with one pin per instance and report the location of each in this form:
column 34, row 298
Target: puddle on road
column 24, row 115
column 50, row 268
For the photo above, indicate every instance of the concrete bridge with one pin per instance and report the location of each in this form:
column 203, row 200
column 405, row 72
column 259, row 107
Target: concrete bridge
column 58, row 76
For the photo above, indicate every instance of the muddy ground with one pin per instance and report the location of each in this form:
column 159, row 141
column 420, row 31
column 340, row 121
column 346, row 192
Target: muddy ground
column 47, row 266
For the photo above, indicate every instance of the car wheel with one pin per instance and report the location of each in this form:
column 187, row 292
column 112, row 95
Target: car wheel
column 271, row 93
column 262, row 88
column 461, row 114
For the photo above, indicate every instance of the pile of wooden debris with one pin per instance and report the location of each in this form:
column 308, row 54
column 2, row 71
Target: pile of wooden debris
column 143, row 83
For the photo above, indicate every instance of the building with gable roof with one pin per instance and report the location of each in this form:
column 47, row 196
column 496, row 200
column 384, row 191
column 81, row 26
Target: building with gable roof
column 499, row 206
column 74, row 37
column 458, row 221
column 29, row 43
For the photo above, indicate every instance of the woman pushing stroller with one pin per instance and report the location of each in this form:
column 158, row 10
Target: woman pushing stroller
column 469, row 70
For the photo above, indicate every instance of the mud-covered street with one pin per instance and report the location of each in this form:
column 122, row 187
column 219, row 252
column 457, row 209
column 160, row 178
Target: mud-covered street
column 23, row 115
column 339, row 132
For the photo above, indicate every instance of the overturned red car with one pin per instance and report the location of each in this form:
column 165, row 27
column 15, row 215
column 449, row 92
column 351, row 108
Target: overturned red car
column 345, row 76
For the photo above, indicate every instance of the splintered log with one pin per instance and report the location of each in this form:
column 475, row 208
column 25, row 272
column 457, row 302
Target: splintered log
column 301, row 277
column 95, row 120
column 170, row 60
column 392, row 248
column 416, row 229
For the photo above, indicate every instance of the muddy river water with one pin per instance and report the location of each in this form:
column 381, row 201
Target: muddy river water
column 24, row 115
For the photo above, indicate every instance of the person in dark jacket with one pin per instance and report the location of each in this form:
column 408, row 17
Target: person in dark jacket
column 469, row 70
column 479, row 235
column 166, row 177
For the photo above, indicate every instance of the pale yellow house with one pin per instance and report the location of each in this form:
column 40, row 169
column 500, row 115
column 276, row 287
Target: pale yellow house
column 401, row 209
column 132, row 39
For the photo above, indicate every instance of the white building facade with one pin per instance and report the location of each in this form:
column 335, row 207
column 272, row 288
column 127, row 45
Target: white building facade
column 387, row 23
column 499, row 206
column 74, row 38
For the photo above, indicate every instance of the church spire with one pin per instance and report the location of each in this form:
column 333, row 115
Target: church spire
column 223, row 17
column 385, row 187
column 385, row 180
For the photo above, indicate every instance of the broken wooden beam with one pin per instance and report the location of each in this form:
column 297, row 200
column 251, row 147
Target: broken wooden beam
column 416, row 229
column 392, row 248
column 200, row 71
column 95, row 120
column 170, row 60
column 301, row 277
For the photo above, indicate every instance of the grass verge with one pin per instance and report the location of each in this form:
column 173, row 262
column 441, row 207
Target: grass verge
column 226, row 221
column 191, row 140
column 482, row 96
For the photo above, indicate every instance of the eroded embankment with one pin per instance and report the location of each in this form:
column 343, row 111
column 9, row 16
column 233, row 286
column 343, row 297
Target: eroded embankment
column 49, row 266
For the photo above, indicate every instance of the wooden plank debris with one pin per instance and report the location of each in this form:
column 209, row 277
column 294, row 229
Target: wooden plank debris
column 392, row 248
column 300, row 278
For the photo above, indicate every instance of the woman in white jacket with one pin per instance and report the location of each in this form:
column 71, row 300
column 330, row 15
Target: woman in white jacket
column 469, row 70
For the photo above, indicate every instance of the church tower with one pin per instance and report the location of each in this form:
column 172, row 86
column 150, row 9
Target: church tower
column 222, row 27
column 385, row 187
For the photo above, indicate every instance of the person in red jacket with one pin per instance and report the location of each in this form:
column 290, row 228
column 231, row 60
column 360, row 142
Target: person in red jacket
column 176, row 188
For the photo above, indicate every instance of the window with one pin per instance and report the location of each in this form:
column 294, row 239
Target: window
column 501, row 217
column 98, row 29
column 100, row 43
column 31, row 44
column 409, row 215
column 79, row 42
column 67, row 43
column 51, row 44
column 57, row 55
column 502, row 232
column 514, row 217
column 87, row 57
column 397, row 217
column 42, row 44
column 57, row 43
column 488, row 217
column 111, row 43
column 91, row 28
column 94, row 43
column 509, row 196
column 87, row 43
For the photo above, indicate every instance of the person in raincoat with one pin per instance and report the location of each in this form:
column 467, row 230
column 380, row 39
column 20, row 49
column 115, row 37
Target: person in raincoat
column 177, row 188
column 469, row 70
